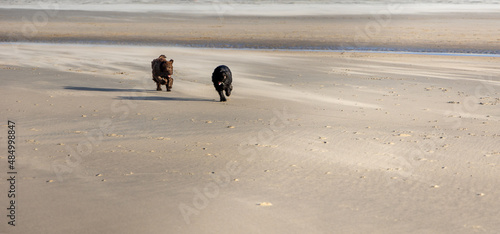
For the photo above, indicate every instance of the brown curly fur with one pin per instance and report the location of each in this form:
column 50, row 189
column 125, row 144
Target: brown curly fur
column 162, row 72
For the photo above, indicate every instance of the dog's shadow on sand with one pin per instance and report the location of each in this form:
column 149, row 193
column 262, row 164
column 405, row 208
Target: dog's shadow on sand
column 156, row 98
column 102, row 89
column 139, row 97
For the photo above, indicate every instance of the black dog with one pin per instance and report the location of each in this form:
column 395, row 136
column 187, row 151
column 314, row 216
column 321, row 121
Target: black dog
column 222, row 79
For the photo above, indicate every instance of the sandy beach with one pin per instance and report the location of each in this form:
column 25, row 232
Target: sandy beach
column 310, row 141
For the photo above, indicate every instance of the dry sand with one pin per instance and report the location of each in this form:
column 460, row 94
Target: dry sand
column 309, row 142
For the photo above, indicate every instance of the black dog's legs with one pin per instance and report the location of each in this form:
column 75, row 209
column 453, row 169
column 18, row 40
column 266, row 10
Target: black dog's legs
column 222, row 97
column 228, row 90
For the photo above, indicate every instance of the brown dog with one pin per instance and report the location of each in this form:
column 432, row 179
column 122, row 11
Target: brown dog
column 162, row 72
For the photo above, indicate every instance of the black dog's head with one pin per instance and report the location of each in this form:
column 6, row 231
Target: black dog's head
column 221, row 75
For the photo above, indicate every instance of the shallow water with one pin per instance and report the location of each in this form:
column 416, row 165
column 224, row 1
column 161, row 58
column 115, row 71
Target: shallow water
column 338, row 50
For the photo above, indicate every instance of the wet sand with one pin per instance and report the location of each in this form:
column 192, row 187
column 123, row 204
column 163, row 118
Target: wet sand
column 386, row 29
